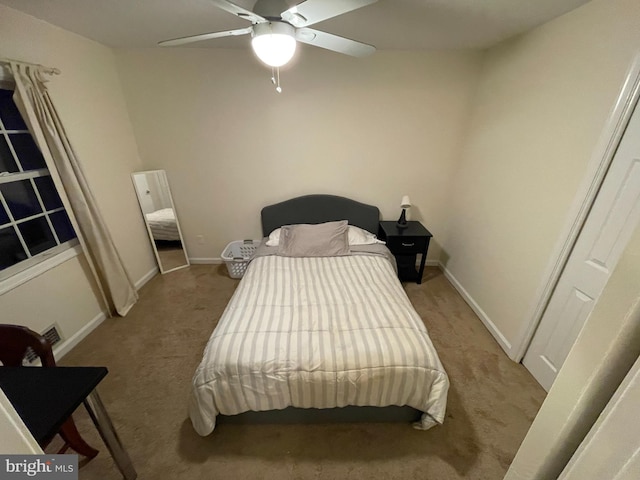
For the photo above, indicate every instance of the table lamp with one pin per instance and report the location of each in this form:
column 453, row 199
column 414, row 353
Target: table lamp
column 405, row 204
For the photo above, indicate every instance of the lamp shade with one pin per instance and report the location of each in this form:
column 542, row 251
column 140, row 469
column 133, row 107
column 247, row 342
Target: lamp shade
column 406, row 202
column 274, row 43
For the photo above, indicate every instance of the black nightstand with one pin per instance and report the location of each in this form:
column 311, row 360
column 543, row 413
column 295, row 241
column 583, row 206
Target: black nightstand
column 405, row 244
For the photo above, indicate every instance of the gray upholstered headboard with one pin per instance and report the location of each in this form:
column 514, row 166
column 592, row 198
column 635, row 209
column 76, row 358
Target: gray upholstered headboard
column 319, row 209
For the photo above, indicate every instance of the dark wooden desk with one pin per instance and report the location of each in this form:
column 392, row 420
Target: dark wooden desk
column 45, row 397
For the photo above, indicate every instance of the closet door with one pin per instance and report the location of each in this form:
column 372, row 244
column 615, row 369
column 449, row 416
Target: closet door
column 606, row 232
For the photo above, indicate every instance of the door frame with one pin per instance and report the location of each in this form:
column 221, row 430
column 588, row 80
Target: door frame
column 583, row 201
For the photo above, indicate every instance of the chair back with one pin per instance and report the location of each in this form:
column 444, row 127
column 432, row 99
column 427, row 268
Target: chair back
column 15, row 340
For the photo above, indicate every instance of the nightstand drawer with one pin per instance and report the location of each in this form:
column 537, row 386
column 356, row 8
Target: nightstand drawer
column 406, row 245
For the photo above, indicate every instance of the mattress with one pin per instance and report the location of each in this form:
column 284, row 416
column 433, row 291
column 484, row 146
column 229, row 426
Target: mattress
column 162, row 224
column 318, row 333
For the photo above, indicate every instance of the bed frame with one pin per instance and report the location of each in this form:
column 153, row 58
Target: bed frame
column 318, row 209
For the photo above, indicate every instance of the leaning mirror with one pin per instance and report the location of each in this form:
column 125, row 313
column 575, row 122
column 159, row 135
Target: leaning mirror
column 154, row 196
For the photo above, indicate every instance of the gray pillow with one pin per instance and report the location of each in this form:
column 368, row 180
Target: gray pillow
column 328, row 239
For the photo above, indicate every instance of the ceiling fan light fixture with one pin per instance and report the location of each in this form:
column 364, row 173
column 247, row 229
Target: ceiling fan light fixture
column 274, row 43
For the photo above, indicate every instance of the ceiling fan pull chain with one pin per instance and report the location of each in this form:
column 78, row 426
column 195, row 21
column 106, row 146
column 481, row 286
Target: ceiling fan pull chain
column 275, row 78
column 278, row 89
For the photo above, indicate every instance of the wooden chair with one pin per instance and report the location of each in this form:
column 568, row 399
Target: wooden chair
column 15, row 341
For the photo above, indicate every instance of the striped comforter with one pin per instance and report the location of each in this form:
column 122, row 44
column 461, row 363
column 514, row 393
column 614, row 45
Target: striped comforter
column 318, row 333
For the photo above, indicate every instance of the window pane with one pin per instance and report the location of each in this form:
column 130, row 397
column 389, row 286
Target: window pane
column 11, row 251
column 7, row 163
column 4, row 218
column 48, row 193
column 37, row 235
column 9, row 112
column 21, row 199
column 27, row 151
column 63, row 226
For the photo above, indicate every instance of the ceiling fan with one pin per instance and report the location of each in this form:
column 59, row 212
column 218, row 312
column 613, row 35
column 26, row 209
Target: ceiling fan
column 276, row 28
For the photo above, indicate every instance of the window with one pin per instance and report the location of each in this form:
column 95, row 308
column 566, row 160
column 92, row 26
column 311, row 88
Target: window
column 33, row 222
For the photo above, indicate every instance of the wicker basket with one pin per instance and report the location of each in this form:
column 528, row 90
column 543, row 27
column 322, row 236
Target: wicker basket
column 237, row 255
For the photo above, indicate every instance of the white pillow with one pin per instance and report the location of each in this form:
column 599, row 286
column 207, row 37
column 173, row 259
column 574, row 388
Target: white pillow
column 274, row 238
column 357, row 236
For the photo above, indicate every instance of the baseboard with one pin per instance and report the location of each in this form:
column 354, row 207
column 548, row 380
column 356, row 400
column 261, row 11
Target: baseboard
column 206, row 261
column 62, row 349
column 146, row 277
column 484, row 318
column 431, row 263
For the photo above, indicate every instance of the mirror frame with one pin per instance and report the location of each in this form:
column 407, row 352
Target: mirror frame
column 146, row 222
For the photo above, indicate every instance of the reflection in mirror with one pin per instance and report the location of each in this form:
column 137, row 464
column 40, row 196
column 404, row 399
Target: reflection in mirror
column 154, row 196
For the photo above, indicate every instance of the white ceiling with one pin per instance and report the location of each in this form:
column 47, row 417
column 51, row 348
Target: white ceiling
column 388, row 24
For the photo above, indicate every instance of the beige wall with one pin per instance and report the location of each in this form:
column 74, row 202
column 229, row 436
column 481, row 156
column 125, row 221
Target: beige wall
column 62, row 295
column 90, row 101
column 372, row 129
column 606, row 349
column 542, row 102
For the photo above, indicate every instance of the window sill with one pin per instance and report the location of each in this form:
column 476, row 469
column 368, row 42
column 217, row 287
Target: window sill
column 29, row 274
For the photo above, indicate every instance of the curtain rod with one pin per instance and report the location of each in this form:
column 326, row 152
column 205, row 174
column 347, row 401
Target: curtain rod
column 49, row 70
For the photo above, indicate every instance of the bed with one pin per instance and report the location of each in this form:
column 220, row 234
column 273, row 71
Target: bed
column 319, row 334
column 163, row 225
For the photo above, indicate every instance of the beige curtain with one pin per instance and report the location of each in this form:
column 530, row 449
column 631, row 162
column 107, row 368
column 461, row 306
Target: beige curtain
column 35, row 105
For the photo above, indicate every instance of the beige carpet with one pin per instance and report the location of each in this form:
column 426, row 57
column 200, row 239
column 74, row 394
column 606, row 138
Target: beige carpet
column 152, row 353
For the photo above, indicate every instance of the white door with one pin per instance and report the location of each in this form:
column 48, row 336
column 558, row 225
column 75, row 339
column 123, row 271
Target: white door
column 608, row 228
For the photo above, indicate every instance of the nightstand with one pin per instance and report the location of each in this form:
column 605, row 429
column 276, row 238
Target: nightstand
column 405, row 244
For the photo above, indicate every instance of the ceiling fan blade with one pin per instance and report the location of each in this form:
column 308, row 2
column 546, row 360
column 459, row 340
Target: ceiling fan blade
column 238, row 11
column 333, row 42
column 204, row 36
column 314, row 11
